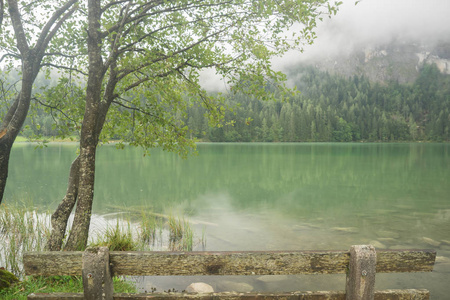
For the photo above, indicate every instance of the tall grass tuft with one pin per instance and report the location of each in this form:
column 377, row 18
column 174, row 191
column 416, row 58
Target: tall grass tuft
column 148, row 227
column 21, row 229
column 117, row 238
column 181, row 236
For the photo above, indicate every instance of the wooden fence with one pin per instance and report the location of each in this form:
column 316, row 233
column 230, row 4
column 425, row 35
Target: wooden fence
column 361, row 263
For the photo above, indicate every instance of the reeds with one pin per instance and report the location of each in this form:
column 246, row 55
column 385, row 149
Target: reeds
column 24, row 229
column 181, row 236
column 21, row 229
column 117, row 238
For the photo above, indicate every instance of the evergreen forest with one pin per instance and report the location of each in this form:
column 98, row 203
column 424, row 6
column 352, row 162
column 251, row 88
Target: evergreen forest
column 328, row 108
column 332, row 108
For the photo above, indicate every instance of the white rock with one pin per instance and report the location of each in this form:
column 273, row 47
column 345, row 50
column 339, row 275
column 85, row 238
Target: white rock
column 199, row 287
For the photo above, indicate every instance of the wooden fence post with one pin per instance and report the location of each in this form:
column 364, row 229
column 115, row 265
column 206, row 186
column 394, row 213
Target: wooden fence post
column 97, row 280
column 361, row 274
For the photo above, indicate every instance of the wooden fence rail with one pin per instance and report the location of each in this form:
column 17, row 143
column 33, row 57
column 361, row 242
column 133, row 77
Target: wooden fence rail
column 361, row 263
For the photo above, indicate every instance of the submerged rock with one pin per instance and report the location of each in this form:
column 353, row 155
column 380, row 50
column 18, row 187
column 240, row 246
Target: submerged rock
column 442, row 259
column 6, row 279
column 387, row 234
column 431, row 242
column 272, row 278
column 387, row 240
column 199, row 287
column 377, row 245
column 345, row 229
column 231, row 286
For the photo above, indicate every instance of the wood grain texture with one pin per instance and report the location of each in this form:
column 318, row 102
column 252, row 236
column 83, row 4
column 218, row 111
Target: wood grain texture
column 228, row 263
column 330, row 295
column 53, row 263
column 361, row 276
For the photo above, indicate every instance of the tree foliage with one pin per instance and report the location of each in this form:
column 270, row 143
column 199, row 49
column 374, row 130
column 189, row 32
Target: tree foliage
column 141, row 62
column 332, row 108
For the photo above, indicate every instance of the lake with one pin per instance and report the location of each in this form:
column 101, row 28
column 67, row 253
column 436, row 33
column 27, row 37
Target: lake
column 322, row 196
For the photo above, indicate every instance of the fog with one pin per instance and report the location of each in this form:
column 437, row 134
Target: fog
column 374, row 22
column 367, row 24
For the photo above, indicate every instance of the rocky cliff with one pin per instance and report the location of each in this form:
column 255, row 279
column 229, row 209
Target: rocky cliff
column 399, row 61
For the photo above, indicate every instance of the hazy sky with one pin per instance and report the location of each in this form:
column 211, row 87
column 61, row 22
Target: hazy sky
column 372, row 22
column 368, row 23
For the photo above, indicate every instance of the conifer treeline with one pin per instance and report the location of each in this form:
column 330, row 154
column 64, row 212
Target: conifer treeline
column 331, row 108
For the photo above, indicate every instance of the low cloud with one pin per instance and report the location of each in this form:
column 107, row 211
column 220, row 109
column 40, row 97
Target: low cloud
column 375, row 22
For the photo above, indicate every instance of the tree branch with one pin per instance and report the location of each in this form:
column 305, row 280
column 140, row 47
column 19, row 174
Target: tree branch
column 22, row 43
column 47, row 32
column 63, row 67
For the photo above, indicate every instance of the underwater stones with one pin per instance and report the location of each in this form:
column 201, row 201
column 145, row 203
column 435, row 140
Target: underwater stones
column 388, row 240
column 442, row 259
column 377, row 245
column 387, row 234
column 199, row 287
column 345, row 229
column 272, row 278
column 431, row 242
column 231, row 286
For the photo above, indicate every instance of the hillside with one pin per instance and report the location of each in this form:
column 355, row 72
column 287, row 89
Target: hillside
column 398, row 60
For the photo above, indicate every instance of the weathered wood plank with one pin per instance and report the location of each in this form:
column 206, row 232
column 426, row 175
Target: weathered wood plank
column 97, row 280
column 361, row 275
column 401, row 261
column 53, row 263
column 228, row 263
column 333, row 295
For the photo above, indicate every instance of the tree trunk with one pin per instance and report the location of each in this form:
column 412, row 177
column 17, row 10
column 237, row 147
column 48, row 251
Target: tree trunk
column 5, row 150
column 15, row 117
column 90, row 131
column 31, row 63
column 61, row 216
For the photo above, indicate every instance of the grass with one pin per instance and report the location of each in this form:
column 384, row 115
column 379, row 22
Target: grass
column 21, row 229
column 117, row 239
column 181, row 236
column 24, row 229
column 56, row 284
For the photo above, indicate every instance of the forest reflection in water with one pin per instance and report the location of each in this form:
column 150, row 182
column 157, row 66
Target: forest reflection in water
column 272, row 196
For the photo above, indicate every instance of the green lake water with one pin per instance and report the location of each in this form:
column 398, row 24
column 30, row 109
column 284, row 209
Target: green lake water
column 271, row 197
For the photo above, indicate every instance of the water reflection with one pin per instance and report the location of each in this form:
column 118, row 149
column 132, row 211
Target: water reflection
column 272, row 196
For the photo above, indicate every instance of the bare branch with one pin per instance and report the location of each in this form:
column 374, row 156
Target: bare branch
column 9, row 54
column 64, row 67
column 57, row 109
